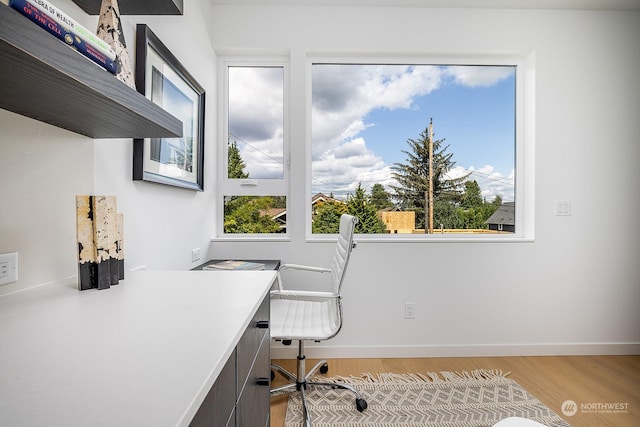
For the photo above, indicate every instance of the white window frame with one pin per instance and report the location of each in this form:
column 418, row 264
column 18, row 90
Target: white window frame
column 249, row 187
column 524, row 62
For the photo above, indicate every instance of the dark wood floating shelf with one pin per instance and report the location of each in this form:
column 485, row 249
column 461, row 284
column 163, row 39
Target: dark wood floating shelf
column 136, row 7
column 46, row 80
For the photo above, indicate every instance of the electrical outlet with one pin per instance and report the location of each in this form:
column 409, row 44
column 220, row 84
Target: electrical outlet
column 409, row 310
column 195, row 254
column 8, row 268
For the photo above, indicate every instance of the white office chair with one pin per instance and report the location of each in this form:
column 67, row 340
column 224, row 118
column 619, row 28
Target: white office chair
column 312, row 315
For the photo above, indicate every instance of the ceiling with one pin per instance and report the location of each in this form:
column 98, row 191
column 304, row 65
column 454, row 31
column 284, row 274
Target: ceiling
column 478, row 4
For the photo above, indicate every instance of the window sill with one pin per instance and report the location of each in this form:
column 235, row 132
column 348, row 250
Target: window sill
column 251, row 238
column 364, row 238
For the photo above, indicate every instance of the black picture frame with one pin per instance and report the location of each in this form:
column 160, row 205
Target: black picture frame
column 164, row 80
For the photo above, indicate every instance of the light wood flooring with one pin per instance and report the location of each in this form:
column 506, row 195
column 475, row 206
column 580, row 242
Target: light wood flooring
column 589, row 380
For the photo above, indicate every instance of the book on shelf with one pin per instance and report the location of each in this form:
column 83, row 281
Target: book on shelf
column 42, row 18
column 235, row 265
column 71, row 24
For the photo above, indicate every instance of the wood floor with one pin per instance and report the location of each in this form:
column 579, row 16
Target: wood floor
column 590, row 381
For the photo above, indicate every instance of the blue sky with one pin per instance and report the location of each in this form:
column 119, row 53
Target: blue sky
column 477, row 124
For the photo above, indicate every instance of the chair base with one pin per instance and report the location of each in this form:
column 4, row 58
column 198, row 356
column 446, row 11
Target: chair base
column 301, row 382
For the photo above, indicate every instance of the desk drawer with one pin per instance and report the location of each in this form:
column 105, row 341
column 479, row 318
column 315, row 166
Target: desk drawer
column 218, row 407
column 253, row 404
column 250, row 343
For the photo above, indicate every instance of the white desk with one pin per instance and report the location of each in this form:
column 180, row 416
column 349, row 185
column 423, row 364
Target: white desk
column 142, row 353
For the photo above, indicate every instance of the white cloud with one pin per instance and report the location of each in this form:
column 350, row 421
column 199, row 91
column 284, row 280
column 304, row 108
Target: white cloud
column 343, row 95
column 475, row 76
column 492, row 182
column 340, row 169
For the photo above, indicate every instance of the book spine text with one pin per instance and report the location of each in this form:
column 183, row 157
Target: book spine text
column 69, row 23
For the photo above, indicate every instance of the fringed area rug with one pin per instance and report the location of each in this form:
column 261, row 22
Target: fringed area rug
column 451, row 399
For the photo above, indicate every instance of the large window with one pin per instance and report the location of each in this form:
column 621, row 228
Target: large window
column 418, row 149
column 415, row 149
column 254, row 173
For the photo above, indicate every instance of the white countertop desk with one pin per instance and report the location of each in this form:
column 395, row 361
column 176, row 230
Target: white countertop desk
column 142, row 353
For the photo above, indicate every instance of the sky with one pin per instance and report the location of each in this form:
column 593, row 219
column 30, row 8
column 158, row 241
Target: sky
column 363, row 115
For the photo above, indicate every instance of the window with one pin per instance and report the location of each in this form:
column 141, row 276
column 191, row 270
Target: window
column 254, row 171
column 415, row 148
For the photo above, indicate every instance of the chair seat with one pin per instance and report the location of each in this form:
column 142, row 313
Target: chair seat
column 298, row 319
column 518, row 422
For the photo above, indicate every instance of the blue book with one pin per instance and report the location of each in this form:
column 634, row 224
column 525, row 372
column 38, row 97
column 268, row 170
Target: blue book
column 32, row 12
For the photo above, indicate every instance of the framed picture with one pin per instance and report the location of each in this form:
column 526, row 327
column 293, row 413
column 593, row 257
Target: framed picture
column 163, row 80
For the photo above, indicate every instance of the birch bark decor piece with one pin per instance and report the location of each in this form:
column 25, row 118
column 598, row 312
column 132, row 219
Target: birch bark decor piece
column 86, row 247
column 120, row 246
column 99, row 230
column 110, row 30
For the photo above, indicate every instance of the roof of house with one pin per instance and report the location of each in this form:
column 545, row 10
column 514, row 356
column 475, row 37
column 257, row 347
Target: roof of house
column 506, row 215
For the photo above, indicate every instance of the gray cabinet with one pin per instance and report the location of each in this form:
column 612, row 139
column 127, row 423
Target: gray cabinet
column 240, row 396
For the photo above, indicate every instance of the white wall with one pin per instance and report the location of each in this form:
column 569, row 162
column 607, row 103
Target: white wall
column 42, row 168
column 574, row 290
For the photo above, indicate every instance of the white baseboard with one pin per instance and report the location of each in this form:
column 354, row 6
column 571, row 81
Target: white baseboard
column 279, row 351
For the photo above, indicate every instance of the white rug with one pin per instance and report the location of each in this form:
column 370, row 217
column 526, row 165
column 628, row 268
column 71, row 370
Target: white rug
column 449, row 399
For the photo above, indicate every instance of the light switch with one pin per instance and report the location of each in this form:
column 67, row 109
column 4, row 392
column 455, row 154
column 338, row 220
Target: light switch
column 563, row 208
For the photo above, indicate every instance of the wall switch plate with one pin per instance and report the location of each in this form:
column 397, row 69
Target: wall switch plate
column 8, row 268
column 563, row 208
column 195, row 254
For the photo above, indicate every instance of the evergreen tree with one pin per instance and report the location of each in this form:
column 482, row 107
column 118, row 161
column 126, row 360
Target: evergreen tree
column 413, row 177
column 472, row 196
column 380, row 198
column 235, row 164
column 359, row 205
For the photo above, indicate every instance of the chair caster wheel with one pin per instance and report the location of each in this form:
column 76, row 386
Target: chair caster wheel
column 273, row 375
column 324, row 368
column 361, row 404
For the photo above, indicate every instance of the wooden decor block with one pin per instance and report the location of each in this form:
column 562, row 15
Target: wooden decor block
column 99, row 230
column 101, row 240
column 86, row 247
column 110, row 30
column 112, row 238
column 120, row 246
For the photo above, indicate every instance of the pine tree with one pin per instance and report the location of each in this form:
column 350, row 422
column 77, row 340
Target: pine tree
column 380, row 198
column 359, row 205
column 235, row 164
column 413, row 177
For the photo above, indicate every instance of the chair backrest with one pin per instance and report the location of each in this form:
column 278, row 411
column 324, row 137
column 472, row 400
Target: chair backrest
column 343, row 250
